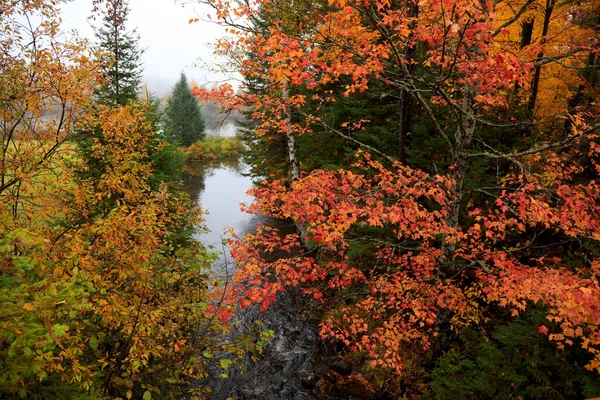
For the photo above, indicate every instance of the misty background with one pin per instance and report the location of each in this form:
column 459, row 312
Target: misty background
column 171, row 45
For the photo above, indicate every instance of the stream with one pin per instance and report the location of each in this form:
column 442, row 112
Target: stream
column 282, row 370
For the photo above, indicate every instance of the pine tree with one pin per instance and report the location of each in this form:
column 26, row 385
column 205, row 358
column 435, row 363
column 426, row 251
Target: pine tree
column 121, row 61
column 183, row 118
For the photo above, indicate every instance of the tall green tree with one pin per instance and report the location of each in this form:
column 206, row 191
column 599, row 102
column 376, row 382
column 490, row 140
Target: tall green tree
column 183, row 118
column 120, row 61
column 121, row 56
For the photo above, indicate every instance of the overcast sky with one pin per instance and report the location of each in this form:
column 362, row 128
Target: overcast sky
column 172, row 44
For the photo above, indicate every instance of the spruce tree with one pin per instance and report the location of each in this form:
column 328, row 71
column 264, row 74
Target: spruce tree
column 123, row 69
column 121, row 60
column 183, row 118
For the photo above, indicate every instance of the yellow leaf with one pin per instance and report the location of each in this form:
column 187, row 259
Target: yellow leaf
column 28, row 307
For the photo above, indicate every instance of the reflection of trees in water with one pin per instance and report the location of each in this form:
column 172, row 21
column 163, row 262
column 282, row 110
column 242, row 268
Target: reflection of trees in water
column 195, row 174
column 193, row 184
column 206, row 168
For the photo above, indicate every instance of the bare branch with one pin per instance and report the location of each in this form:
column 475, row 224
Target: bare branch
column 527, row 152
column 538, row 62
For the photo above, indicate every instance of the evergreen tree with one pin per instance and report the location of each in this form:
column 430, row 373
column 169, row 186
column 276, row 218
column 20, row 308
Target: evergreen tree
column 121, row 60
column 515, row 361
column 122, row 69
column 183, row 118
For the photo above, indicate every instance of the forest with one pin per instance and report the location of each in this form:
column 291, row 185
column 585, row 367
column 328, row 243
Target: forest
column 427, row 173
column 104, row 293
column 439, row 160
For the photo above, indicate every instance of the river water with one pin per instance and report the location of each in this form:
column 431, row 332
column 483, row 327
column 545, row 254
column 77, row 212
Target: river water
column 219, row 188
column 282, row 371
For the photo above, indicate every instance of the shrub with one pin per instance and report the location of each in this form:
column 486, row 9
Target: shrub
column 215, row 148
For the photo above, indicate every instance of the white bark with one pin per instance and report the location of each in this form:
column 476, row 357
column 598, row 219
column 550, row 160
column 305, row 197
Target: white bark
column 291, row 140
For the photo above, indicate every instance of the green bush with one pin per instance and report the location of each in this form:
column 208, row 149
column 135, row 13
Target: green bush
column 215, row 148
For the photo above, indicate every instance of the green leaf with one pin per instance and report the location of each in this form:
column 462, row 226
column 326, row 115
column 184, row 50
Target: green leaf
column 147, row 395
column 225, row 363
column 59, row 330
column 267, row 335
column 94, row 342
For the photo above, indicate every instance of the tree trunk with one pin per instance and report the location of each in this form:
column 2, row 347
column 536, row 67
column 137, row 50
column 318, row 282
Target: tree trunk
column 526, row 33
column 538, row 69
column 291, row 140
column 447, row 268
column 464, row 136
column 405, row 96
column 294, row 165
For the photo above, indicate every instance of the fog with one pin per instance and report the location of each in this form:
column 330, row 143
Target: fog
column 171, row 44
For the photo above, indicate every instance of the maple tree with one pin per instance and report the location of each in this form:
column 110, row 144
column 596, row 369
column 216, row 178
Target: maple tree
column 507, row 215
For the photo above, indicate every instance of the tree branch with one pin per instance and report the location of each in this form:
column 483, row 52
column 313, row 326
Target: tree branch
column 350, row 138
column 538, row 62
column 513, row 19
column 527, row 152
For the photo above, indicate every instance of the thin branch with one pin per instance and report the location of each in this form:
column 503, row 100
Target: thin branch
column 433, row 120
column 358, row 142
column 538, row 62
column 513, row 19
column 532, row 150
column 385, row 34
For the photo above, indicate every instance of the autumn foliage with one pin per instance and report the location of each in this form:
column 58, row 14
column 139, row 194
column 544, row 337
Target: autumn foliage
column 411, row 252
column 99, row 297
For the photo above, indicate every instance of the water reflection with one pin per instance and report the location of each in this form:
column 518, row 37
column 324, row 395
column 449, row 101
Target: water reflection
column 219, row 188
column 193, row 182
column 194, row 174
column 288, row 358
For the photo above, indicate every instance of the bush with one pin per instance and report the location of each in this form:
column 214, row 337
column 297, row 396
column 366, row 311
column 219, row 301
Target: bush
column 215, row 148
